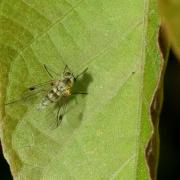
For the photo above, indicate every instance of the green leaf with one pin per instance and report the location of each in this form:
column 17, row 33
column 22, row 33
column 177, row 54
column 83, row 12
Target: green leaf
column 104, row 134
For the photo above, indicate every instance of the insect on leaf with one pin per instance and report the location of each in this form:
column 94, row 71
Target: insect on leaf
column 104, row 134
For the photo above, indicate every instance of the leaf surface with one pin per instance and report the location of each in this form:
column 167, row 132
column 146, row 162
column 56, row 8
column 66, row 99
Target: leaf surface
column 103, row 135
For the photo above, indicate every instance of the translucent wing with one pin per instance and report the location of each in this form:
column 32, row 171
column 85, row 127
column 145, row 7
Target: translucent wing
column 32, row 91
column 57, row 112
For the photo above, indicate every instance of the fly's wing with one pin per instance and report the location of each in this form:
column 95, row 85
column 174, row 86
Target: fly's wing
column 32, row 91
column 56, row 113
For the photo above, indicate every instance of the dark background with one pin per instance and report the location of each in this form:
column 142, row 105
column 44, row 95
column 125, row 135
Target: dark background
column 5, row 173
column 169, row 127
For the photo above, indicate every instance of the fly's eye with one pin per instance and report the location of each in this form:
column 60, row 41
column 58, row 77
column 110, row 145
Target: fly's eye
column 67, row 74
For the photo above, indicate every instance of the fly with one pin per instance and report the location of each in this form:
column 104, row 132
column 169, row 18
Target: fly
column 59, row 89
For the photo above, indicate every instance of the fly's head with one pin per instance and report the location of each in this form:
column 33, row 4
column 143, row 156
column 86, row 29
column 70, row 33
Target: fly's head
column 69, row 78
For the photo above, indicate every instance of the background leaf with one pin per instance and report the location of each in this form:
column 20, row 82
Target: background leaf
column 104, row 134
column 170, row 14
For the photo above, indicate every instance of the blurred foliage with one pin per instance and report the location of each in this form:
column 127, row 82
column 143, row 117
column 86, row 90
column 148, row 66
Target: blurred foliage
column 170, row 16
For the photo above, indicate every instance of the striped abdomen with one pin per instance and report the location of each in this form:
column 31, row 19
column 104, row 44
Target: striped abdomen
column 53, row 96
column 60, row 88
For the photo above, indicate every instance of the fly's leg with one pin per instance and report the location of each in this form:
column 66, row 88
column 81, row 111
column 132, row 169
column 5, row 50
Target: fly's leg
column 80, row 74
column 48, row 70
column 66, row 68
column 78, row 93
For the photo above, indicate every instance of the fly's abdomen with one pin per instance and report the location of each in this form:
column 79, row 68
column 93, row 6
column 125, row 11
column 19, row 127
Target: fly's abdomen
column 52, row 96
column 44, row 103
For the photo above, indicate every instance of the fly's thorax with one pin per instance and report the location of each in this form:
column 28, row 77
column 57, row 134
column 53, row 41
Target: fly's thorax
column 68, row 82
column 64, row 86
column 67, row 91
column 60, row 86
column 68, row 86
